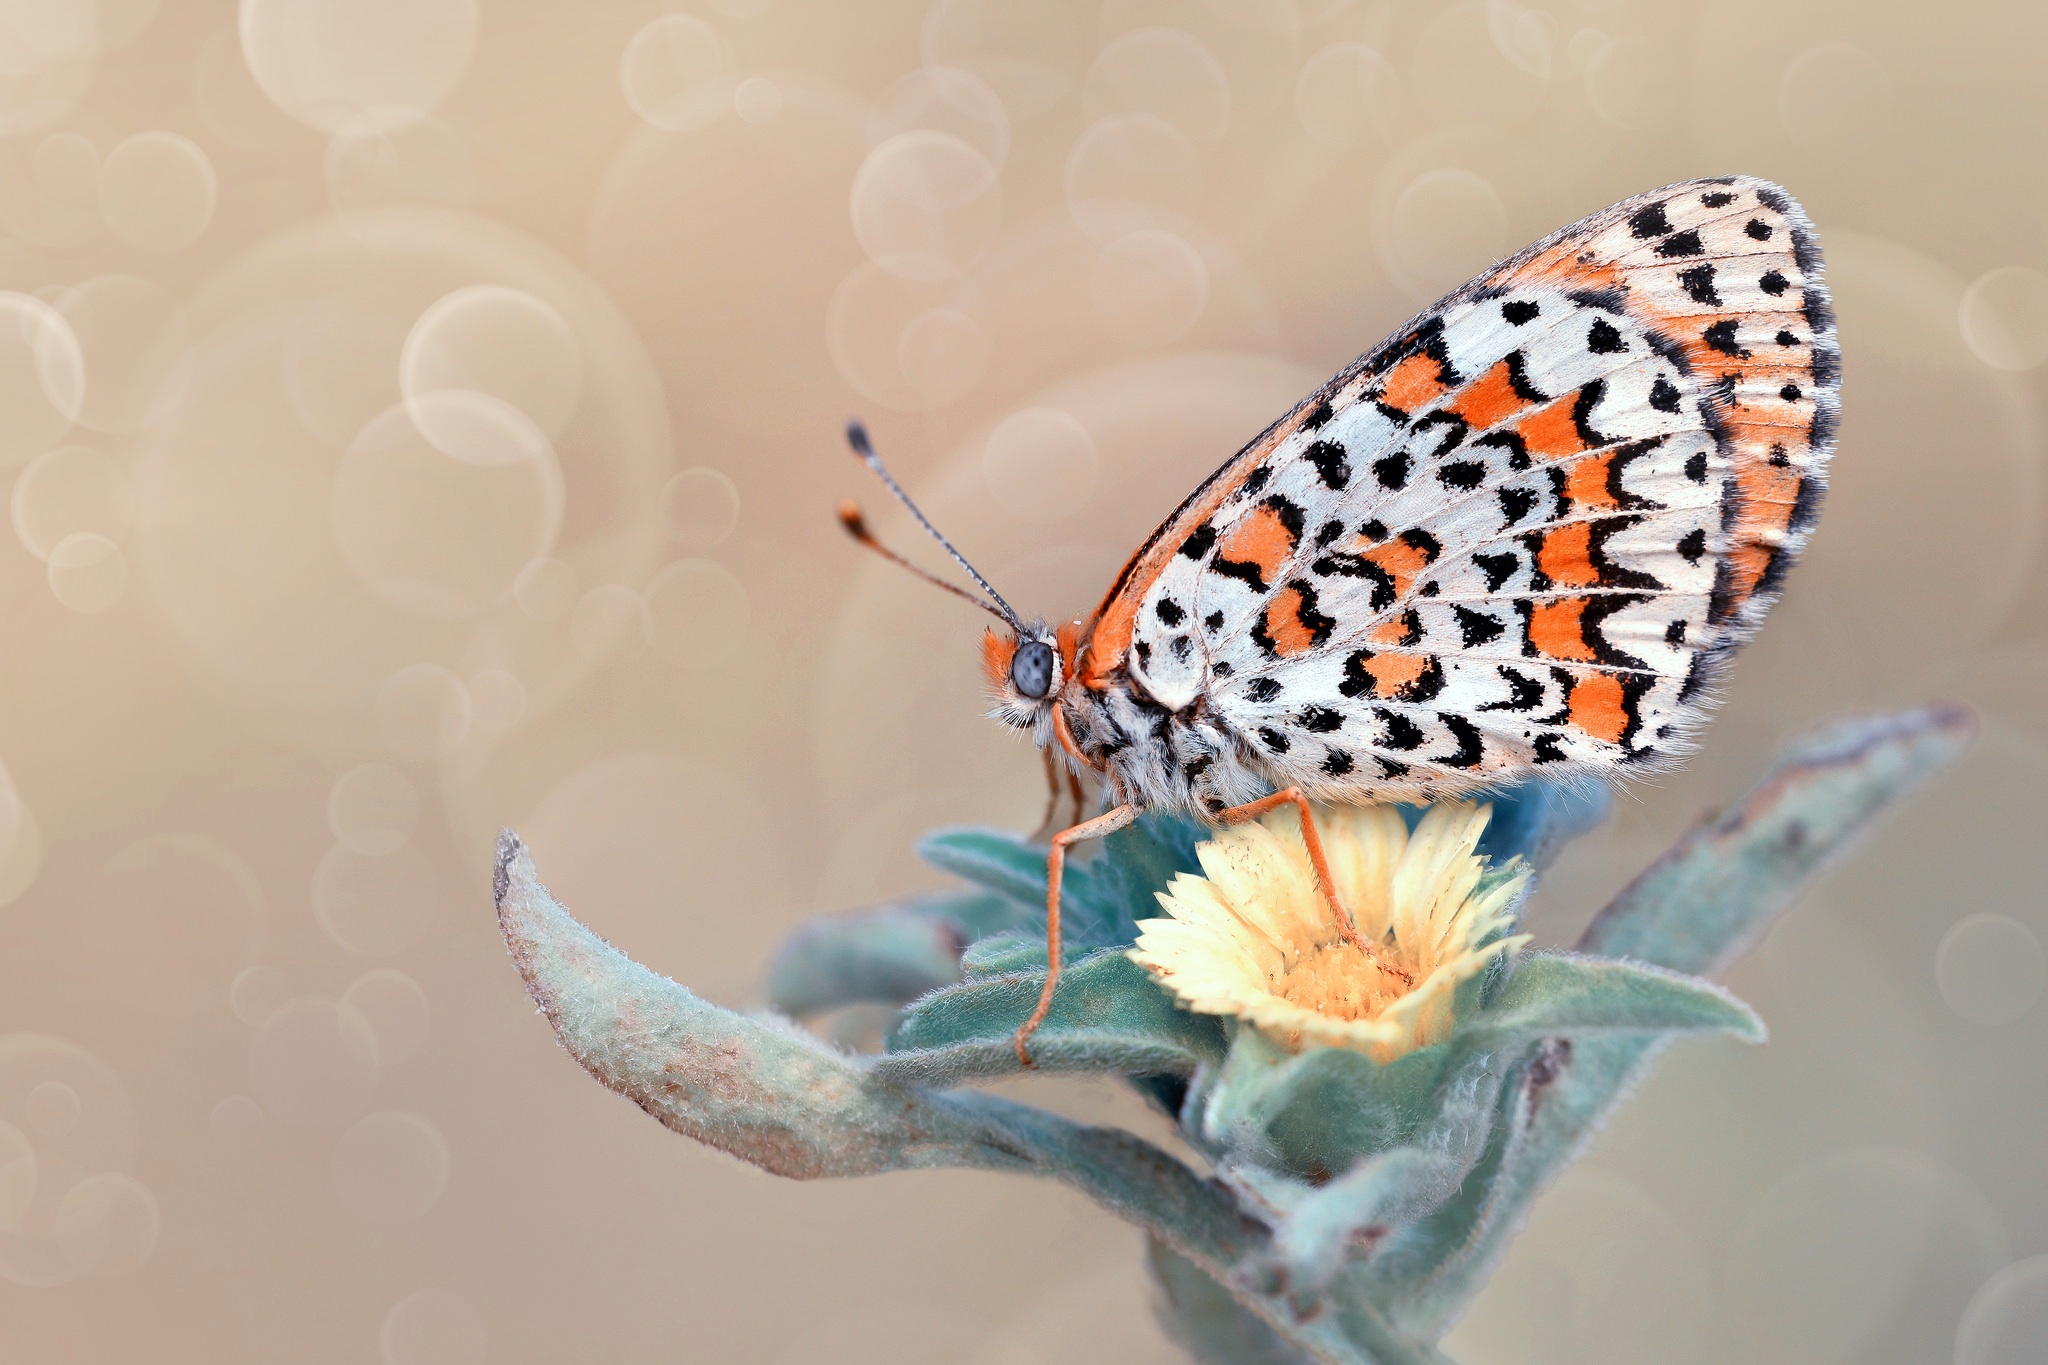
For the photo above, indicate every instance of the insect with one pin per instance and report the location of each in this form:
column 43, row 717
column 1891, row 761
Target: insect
column 1522, row 535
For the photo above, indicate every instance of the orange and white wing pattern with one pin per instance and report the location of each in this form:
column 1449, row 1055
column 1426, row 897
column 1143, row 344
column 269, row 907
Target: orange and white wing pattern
column 1525, row 530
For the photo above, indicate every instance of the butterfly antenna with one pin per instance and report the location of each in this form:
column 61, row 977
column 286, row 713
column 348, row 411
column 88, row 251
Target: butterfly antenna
column 850, row 517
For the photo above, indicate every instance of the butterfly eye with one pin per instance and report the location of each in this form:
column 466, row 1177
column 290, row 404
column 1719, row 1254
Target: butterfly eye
column 1031, row 669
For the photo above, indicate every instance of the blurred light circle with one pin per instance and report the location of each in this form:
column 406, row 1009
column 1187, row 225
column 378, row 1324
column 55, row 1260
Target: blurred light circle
column 546, row 589
column 1029, row 52
column 1445, row 227
column 1348, row 95
column 394, row 1008
column 925, row 205
column 258, row 992
column 757, row 99
column 436, row 535
column 108, row 1223
column 423, row 712
column 943, row 354
column 497, row 699
column 67, row 490
column 42, row 376
column 1041, row 463
column 1835, row 99
column 1164, row 71
column 341, row 365
column 1131, row 171
column 1149, row 287
column 324, row 61
column 236, row 1123
column 1527, row 37
column 179, row 917
column 390, row 1167
column 18, row 1176
column 1628, row 83
column 51, row 1109
column 610, row 624
column 87, row 572
column 66, row 167
column 231, row 105
column 392, row 155
column 672, row 73
column 157, row 191
column 372, row 809
column 312, row 1066
column 697, row 614
column 865, row 324
column 433, row 1327
column 497, row 341
column 136, row 346
column 699, row 507
column 2005, row 317
column 1990, row 968
column 374, row 907
column 2007, row 1320
column 477, row 428
column 943, row 99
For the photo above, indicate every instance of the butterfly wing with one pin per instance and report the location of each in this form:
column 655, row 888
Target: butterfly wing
column 1524, row 531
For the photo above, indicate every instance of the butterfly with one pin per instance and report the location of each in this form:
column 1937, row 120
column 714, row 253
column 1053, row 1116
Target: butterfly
column 1520, row 536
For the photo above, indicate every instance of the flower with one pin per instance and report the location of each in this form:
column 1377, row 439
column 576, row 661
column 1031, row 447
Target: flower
column 1255, row 938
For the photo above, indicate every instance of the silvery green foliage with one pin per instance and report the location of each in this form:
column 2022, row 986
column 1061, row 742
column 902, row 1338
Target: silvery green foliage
column 1354, row 1208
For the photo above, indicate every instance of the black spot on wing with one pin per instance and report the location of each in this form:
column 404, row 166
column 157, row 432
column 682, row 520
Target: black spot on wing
column 1649, row 221
column 1604, row 338
column 1273, row 739
column 1477, row 627
column 1392, row 470
column 1523, row 691
column 1758, row 229
column 1516, row 503
column 1681, row 244
column 1698, row 282
column 1337, row 763
column 1330, row 463
column 1263, row 689
column 1462, row 474
column 1664, row 395
column 1471, row 748
column 1721, row 336
column 1169, row 612
column 1520, row 311
column 1498, row 568
column 1199, row 542
column 1320, row 720
column 1773, row 283
column 1398, row 732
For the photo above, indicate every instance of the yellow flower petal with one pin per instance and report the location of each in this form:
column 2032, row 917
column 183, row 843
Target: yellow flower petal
column 1253, row 937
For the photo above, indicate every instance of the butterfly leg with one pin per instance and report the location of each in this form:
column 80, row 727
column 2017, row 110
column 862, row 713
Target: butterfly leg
column 1109, row 822
column 1313, row 840
column 1052, row 800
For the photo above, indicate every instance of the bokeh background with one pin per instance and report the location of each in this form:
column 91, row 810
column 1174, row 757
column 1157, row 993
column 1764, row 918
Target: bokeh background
column 422, row 416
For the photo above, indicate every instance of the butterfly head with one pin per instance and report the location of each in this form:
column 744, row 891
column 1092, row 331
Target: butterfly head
column 1026, row 667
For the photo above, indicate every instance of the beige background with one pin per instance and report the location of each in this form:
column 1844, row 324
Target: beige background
column 422, row 415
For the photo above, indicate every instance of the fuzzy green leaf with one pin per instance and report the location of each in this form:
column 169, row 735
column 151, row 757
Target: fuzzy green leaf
column 1109, row 1014
column 1566, row 995
column 1004, row 953
column 994, row 859
column 886, row 955
column 1326, row 1227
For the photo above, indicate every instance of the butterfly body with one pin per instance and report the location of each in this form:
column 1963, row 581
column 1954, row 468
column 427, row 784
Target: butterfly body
column 1519, row 536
